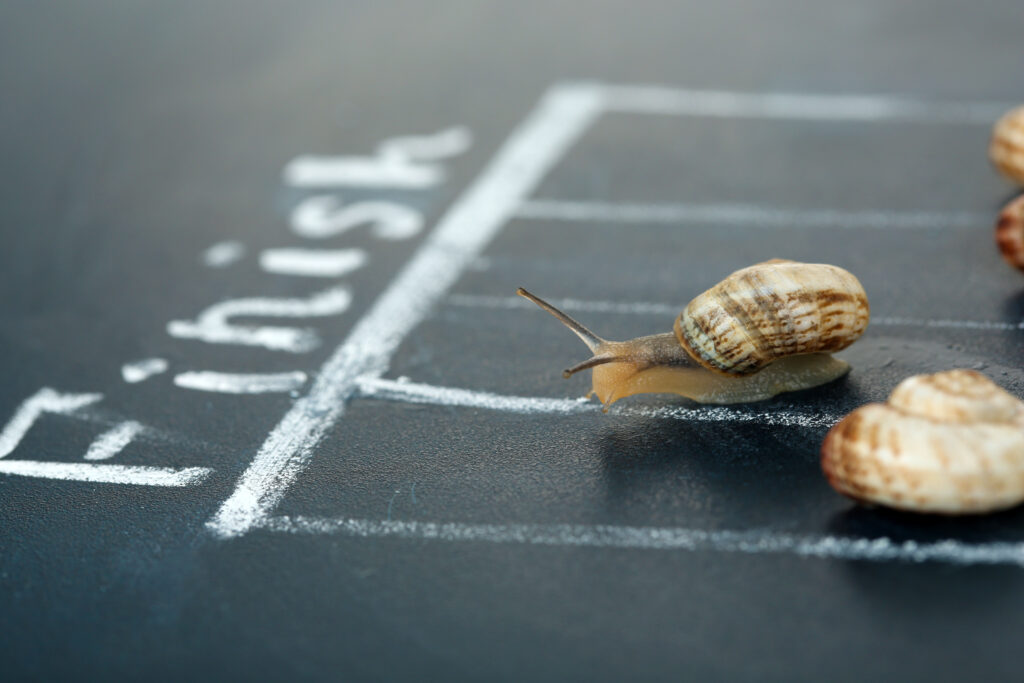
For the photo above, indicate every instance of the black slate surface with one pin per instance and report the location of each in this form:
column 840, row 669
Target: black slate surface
column 135, row 136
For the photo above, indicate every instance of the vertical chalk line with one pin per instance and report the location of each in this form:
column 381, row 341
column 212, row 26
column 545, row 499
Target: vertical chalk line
column 561, row 117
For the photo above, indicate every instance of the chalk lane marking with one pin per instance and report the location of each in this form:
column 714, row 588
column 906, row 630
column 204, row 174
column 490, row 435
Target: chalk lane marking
column 470, row 224
column 651, row 308
column 241, row 383
column 410, row 392
column 650, row 99
column 664, row 538
column 746, row 215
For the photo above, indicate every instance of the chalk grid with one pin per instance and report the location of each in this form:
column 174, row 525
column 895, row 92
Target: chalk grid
column 501, row 193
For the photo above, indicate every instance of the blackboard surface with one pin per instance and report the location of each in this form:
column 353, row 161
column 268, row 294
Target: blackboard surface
column 271, row 411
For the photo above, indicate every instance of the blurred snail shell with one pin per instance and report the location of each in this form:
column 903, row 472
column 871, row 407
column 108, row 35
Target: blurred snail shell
column 765, row 329
column 950, row 443
column 1006, row 150
column 1010, row 232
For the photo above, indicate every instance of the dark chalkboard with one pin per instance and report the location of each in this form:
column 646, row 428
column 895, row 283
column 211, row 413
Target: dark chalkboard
column 271, row 410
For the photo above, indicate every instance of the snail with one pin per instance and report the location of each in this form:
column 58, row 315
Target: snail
column 1006, row 150
column 1010, row 232
column 949, row 443
column 763, row 330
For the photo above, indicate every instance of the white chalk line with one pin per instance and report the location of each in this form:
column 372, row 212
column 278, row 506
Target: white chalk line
column 663, row 538
column 409, row 392
column 459, row 238
column 652, row 99
column 312, row 262
column 214, row 325
column 223, row 254
column 141, row 370
column 746, row 215
column 399, row 162
column 649, row 308
column 139, row 475
column 113, row 441
column 241, row 383
column 46, row 400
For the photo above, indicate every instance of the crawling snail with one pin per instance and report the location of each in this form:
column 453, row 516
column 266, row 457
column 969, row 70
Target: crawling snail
column 949, row 443
column 763, row 330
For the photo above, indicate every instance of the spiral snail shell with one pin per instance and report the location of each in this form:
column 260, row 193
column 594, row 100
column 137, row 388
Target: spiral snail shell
column 1006, row 149
column 765, row 329
column 950, row 443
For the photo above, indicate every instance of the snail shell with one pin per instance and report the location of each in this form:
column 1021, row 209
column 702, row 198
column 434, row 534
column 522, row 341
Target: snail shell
column 1006, row 149
column 950, row 443
column 772, row 310
column 1010, row 232
column 762, row 331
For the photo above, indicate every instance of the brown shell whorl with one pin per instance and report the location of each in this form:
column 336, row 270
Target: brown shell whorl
column 771, row 310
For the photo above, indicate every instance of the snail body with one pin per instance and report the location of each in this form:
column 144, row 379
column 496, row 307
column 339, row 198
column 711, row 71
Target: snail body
column 948, row 443
column 764, row 330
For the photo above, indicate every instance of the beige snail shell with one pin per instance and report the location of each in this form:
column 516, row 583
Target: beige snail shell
column 1010, row 232
column 949, row 443
column 1006, row 150
column 764, row 330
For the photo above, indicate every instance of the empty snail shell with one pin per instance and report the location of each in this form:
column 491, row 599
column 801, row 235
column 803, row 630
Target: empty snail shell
column 765, row 329
column 1010, row 232
column 950, row 443
column 1006, row 150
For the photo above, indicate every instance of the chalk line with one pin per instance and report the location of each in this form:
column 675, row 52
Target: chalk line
column 398, row 163
column 46, row 400
column 446, row 143
column 462, row 234
column 113, row 441
column 213, row 325
column 223, row 254
column 106, row 474
column 664, row 538
column 312, row 262
column 141, row 370
column 410, row 392
column 746, row 214
column 649, row 308
column 241, row 383
column 322, row 216
column 652, row 99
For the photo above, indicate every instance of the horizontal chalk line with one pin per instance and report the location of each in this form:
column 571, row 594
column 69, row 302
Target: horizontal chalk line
column 241, row 383
column 648, row 308
column 409, row 392
column 746, row 214
column 651, row 99
column 664, row 538
column 106, row 474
